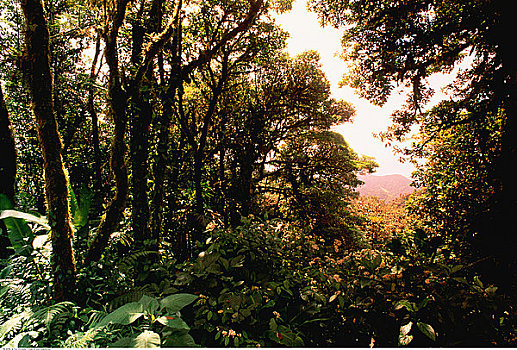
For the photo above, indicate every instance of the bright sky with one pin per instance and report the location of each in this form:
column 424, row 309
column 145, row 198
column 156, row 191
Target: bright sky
column 307, row 34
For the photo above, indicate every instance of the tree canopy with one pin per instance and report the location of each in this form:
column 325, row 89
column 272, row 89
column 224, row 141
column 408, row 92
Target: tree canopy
column 170, row 177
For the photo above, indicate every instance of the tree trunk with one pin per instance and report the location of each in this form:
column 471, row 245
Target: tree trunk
column 39, row 82
column 118, row 103
column 141, row 119
column 7, row 169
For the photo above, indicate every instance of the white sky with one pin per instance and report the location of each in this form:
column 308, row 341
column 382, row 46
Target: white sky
column 307, row 34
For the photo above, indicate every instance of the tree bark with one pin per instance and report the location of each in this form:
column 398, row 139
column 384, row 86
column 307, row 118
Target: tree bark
column 39, row 83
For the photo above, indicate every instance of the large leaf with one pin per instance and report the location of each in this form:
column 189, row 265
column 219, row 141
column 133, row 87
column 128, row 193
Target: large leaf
column 40, row 220
column 180, row 340
column 404, row 337
column 81, row 208
column 176, row 302
column 124, row 315
column 173, row 322
column 147, row 339
column 19, row 233
column 150, row 304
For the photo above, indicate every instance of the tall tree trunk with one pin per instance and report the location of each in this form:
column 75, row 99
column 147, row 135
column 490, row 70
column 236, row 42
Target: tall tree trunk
column 498, row 236
column 7, row 169
column 118, row 103
column 163, row 131
column 40, row 85
column 90, row 106
column 139, row 144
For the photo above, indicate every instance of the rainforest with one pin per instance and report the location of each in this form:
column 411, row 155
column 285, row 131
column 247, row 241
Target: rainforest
column 171, row 176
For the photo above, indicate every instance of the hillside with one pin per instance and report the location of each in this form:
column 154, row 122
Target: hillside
column 387, row 187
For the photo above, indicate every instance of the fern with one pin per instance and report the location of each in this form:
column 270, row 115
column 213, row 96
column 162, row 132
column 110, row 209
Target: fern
column 127, row 264
column 50, row 313
column 81, row 339
column 14, row 324
column 129, row 297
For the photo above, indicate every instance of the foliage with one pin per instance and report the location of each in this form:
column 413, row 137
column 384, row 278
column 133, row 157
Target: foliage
column 234, row 219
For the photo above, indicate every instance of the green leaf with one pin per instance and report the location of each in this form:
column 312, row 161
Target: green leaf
column 184, row 340
column 404, row 330
column 406, row 304
column 9, row 213
column 272, row 324
column 150, row 304
column 80, row 209
column 125, row 342
column 124, row 315
column 19, row 233
column 13, row 323
column 427, row 330
column 173, row 322
column 176, row 302
column 405, row 339
column 47, row 314
column 147, row 339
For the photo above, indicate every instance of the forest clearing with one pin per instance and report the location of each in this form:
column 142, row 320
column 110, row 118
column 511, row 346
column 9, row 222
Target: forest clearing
column 172, row 177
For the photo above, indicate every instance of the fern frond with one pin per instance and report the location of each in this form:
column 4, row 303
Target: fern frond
column 14, row 324
column 48, row 314
column 81, row 339
column 131, row 296
column 127, row 263
column 95, row 317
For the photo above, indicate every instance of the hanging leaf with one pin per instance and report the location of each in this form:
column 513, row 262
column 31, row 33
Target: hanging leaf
column 405, row 339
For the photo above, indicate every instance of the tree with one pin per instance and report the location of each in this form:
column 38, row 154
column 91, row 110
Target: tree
column 316, row 177
column 456, row 180
column 401, row 42
column 40, row 85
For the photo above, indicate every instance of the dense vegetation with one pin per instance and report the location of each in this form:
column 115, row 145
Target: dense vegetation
column 169, row 177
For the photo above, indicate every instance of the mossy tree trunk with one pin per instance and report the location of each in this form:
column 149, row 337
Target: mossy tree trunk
column 40, row 84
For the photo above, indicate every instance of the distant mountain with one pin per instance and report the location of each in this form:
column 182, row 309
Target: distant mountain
column 387, row 187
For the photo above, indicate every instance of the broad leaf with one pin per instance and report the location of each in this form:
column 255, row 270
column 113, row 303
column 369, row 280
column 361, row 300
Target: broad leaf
column 180, row 340
column 147, row 339
column 9, row 213
column 176, row 302
column 19, row 233
column 173, row 322
column 124, row 315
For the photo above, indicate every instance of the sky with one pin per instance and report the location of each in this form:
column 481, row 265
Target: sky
column 307, row 34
